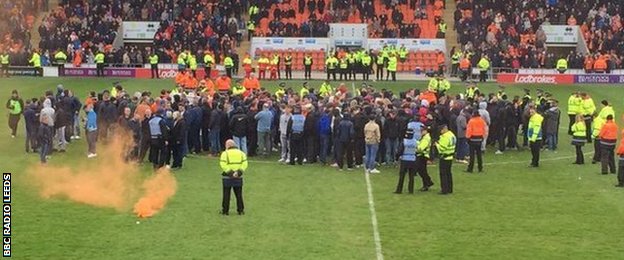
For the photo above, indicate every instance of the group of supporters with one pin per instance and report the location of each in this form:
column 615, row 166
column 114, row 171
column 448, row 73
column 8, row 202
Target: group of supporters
column 363, row 127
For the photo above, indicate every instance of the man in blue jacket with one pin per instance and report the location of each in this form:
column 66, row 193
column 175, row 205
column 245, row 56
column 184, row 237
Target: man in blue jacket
column 324, row 131
column 345, row 134
column 264, row 118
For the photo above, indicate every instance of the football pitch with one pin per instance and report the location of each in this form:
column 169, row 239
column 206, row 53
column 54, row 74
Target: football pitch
column 558, row 211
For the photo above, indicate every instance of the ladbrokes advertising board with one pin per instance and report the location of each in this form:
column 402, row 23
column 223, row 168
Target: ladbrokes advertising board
column 535, row 78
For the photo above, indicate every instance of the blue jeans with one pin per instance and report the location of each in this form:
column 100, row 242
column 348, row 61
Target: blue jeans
column 215, row 141
column 43, row 152
column 324, row 144
column 241, row 142
column 551, row 141
column 371, row 153
column 391, row 149
column 462, row 149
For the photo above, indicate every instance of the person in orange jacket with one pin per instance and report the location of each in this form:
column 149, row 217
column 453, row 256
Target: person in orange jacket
column 608, row 138
column 251, row 82
column 620, row 153
column 223, row 83
column 207, row 85
column 588, row 64
column 600, row 65
column 180, row 78
column 475, row 132
column 191, row 82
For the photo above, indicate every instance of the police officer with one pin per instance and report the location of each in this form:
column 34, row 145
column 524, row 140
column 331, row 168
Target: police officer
column 153, row 60
column 99, row 64
column 331, row 64
column 484, row 66
column 233, row 162
column 307, row 64
column 562, row 65
column 446, row 150
column 251, row 28
column 422, row 157
column 159, row 134
column 608, row 140
column 36, row 62
column 366, row 65
column 5, row 61
column 379, row 60
column 534, row 136
column 295, row 134
column 344, row 69
column 407, row 154
column 288, row 65
column 392, row 67
column 229, row 65
column 208, row 62
column 60, row 58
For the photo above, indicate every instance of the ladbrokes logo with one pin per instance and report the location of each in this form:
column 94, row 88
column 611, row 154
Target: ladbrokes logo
column 167, row 74
column 544, row 79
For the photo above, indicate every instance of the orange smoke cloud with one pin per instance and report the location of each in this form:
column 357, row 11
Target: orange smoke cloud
column 108, row 181
column 158, row 189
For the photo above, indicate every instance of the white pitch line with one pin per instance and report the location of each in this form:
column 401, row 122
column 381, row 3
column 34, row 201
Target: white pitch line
column 371, row 207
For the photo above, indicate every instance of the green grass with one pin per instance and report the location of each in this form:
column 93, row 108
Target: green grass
column 313, row 212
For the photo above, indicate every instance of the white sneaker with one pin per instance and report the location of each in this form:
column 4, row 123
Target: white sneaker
column 498, row 152
column 12, row 136
column 168, row 166
column 374, row 171
column 77, row 137
column 91, row 155
column 287, row 161
column 334, row 165
column 280, row 160
column 358, row 166
column 366, row 171
column 305, row 160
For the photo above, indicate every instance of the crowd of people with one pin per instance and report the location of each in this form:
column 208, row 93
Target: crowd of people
column 347, row 129
column 510, row 33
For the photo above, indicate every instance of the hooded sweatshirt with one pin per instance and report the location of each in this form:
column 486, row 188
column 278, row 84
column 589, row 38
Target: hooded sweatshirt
column 47, row 112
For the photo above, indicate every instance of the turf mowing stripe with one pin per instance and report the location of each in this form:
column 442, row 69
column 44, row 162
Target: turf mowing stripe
column 371, row 206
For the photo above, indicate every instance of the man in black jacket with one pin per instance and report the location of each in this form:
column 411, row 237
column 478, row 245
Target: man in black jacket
column 178, row 138
column 159, row 140
column 311, row 135
column 238, row 125
column 359, row 121
column 107, row 114
column 390, row 131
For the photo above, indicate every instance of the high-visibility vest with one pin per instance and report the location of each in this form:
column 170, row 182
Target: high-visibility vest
column 455, row 58
column 366, row 60
column 484, row 64
column 331, row 63
column 562, row 64
column 193, row 62
column 153, row 59
column 36, row 60
column 99, row 58
column 4, row 59
column 579, row 131
column 228, row 62
column 424, row 145
column 247, row 61
column 233, row 160
column 588, row 106
column 307, row 60
column 251, row 26
column 288, row 60
column 403, row 53
column 606, row 111
column 60, row 57
column 574, row 105
column 392, row 63
column 534, row 132
column 182, row 59
column 343, row 63
column 16, row 107
column 446, row 145
column 442, row 27
column 208, row 60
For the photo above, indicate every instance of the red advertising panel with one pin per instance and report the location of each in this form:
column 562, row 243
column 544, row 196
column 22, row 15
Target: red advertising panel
column 535, row 78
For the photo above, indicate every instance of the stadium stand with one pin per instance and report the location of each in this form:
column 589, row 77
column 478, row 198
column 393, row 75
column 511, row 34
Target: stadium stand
column 15, row 28
column 386, row 19
column 509, row 31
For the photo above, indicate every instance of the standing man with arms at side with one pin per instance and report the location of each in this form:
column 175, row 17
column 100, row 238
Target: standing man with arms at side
column 407, row 154
column 5, row 61
column 16, row 106
column 484, row 66
column 534, row 136
column 99, row 64
column 153, row 60
column 294, row 131
column 288, row 64
column 475, row 132
column 264, row 118
column 233, row 162
column 608, row 139
column 446, row 150
column 35, row 60
column 307, row 64
column 60, row 58
column 574, row 108
column 159, row 133
column 620, row 153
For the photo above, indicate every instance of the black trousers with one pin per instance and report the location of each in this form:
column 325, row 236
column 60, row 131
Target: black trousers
column 296, row 150
column 607, row 159
column 501, row 138
column 307, row 74
column 597, row 149
column 421, row 168
column 588, row 125
column 344, row 73
column 177, row 156
column 61, row 69
column 228, row 72
column 312, row 147
column 379, row 72
column 365, row 72
column 345, row 149
column 194, row 143
column 144, row 145
column 332, row 73
column 535, row 152
column 154, row 71
column 512, row 136
column 405, row 168
column 13, row 122
column 359, row 149
column 5, row 70
column 279, row 73
column 572, row 121
column 580, row 159
column 464, row 75
column 482, row 76
column 288, row 71
column 158, row 152
column 100, row 69
column 238, row 192
column 393, row 74
column 31, row 140
column 446, row 177
column 352, row 71
column 475, row 151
